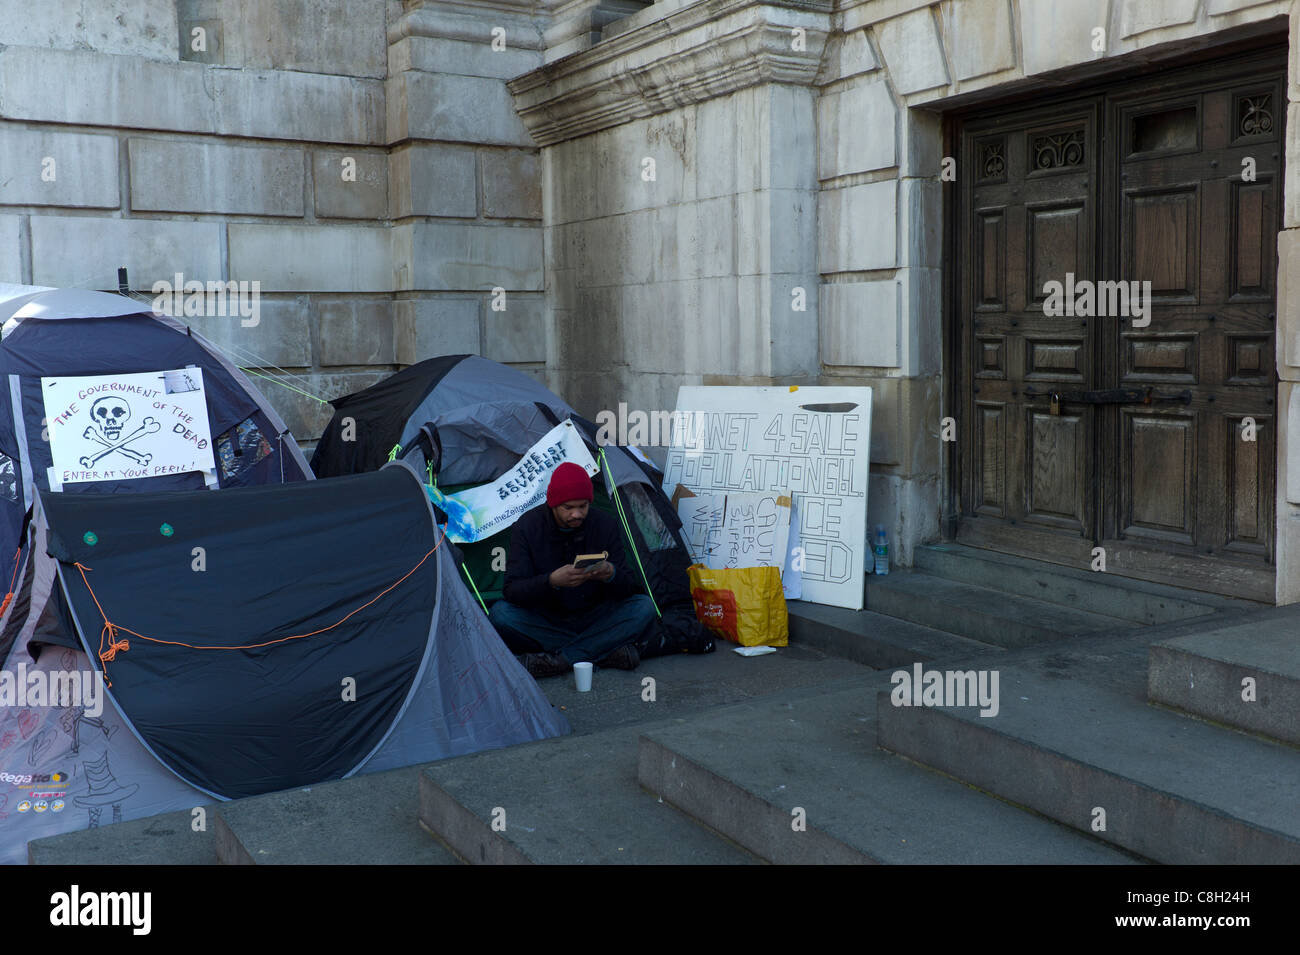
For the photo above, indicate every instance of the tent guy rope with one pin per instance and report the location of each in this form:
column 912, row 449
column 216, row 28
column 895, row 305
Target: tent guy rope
column 111, row 632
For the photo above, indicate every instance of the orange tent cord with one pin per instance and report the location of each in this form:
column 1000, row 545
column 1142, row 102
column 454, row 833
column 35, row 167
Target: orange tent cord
column 10, row 596
column 116, row 643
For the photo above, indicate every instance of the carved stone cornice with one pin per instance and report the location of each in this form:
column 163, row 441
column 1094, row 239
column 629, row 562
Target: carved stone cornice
column 652, row 65
column 473, row 23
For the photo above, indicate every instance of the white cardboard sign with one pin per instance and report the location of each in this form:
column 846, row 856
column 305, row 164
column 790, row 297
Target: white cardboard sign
column 743, row 530
column 813, row 443
column 125, row 427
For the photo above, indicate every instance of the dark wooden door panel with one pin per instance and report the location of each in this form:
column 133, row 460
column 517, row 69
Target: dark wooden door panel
column 1157, row 491
column 1184, row 478
column 1139, row 183
column 1056, row 482
column 1162, row 241
column 990, row 488
column 1032, row 209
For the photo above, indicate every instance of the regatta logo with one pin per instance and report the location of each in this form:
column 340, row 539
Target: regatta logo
column 28, row 779
column 103, row 908
column 1088, row 299
column 216, row 299
column 24, row 688
column 946, row 688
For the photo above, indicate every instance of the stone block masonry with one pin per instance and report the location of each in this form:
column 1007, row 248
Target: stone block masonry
column 361, row 160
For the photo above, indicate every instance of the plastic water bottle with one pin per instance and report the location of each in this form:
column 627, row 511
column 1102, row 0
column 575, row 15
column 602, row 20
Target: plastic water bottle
column 881, row 550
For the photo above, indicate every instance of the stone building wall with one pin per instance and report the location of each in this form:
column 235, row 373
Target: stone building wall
column 638, row 273
column 680, row 203
column 221, row 155
column 679, row 279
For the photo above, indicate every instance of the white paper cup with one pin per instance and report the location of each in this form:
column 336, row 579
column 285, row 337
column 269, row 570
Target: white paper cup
column 582, row 676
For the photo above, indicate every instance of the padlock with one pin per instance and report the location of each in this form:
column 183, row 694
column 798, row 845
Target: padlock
column 1055, row 407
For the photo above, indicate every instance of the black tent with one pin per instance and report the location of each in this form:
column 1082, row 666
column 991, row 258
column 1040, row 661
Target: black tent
column 249, row 640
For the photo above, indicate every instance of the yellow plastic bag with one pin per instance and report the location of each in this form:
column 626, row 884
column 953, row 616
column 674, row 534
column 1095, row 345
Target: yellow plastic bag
column 744, row 605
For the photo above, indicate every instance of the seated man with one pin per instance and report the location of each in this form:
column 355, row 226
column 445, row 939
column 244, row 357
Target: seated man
column 554, row 614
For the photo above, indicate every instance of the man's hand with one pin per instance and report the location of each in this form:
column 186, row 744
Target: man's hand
column 604, row 571
column 569, row 576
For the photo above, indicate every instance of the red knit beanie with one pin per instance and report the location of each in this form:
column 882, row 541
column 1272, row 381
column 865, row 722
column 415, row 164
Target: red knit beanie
column 569, row 482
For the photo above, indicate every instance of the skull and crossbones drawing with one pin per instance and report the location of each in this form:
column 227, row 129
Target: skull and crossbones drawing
column 110, row 415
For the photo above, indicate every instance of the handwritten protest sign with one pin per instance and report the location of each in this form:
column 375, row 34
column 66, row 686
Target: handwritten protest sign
column 125, row 427
column 728, row 531
column 811, row 443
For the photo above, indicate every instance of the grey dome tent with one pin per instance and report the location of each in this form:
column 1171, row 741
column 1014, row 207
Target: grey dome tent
column 55, row 333
column 464, row 420
column 225, row 679
column 73, row 332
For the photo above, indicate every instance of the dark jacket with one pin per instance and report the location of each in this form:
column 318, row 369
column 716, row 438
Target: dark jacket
column 538, row 546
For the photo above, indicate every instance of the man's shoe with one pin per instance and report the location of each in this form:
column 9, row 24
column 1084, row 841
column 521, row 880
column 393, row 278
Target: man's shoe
column 542, row 665
column 624, row 658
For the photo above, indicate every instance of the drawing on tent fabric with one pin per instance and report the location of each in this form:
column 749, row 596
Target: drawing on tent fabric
column 104, row 790
column 40, row 745
column 96, row 721
column 480, row 668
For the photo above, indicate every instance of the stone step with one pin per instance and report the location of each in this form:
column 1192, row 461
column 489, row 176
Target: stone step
column 876, row 639
column 570, row 800
column 744, row 770
column 981, row 613
column 166, row 839
column 363, row 820
column 1074, row 734
column 1078, row 588
column 1204, row 674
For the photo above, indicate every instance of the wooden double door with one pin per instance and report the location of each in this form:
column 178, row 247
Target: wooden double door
column 1150, row 433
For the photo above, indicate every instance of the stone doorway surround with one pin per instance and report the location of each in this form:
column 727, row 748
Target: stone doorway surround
column 819, row 163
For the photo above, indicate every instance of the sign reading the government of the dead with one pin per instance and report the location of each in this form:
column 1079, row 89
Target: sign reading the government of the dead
column 812, row 443
column 125, row 427
column 479, row 512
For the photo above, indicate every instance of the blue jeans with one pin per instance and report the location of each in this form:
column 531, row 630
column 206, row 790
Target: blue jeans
column 589, row 635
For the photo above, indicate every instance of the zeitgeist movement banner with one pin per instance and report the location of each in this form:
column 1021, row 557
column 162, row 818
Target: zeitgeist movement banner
column 121, row 427
column 810, row 443
column 477, row 513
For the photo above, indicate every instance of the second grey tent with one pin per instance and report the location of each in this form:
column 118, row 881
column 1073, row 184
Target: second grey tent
column 464, row 420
